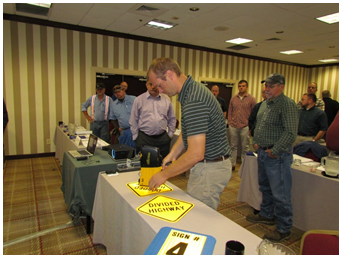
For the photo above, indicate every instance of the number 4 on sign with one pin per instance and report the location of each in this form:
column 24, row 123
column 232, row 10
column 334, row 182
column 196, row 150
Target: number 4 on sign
column 179, row 249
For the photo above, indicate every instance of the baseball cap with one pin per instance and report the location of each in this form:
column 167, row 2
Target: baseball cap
column 100, row 85
column 275, row 78
column 117, row 88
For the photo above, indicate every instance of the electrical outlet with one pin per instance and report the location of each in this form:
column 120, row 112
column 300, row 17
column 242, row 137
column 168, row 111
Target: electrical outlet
column 48, row 142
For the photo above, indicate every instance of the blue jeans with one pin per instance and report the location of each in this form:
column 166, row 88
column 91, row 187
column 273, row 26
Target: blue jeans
column 275, row 181
column 100, row 129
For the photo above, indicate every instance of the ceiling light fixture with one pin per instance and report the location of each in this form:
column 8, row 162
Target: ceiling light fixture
column 159, row 24
column 194, row 9
column 291, row 52
column 33, row 8
column 330, row 19
column 239, row 41
column 45, row 5
column 329, row 60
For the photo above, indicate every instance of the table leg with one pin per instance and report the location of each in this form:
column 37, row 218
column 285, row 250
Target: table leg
column 88, row 224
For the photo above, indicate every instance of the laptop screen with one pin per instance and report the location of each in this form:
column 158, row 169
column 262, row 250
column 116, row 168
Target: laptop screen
column 92, row 143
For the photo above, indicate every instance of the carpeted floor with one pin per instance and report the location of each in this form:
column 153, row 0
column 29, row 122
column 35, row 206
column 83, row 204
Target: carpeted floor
column 35, row 220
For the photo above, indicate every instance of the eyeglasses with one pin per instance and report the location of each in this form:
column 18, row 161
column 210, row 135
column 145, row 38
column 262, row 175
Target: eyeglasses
column 263, row 91
column 271, row 86
column 310, row 87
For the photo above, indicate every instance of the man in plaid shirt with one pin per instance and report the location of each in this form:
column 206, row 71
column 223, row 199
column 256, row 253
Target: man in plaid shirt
column 275, row 132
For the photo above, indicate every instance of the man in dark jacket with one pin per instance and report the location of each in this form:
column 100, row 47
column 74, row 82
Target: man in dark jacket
column 331, row 106
column 254, row 112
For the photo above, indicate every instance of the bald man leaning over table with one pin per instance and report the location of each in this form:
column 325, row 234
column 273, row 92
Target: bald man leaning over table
column 203, row 136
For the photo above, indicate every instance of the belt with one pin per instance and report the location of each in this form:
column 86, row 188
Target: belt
column 266, row 148
column 220, row 158
column 303, row 134
column 153, row 136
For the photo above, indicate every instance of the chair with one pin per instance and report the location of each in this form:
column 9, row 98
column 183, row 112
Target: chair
column 320, row 242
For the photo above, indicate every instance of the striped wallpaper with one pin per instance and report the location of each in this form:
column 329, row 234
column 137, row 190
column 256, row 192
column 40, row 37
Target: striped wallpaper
column 48, row 72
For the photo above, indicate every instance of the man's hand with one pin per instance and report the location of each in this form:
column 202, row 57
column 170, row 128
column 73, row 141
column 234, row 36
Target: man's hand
column 270, row 154
column 156, row 180
column 89, row 119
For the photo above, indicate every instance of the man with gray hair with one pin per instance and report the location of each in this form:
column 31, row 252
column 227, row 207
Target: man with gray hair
column 275, row 132
column 331, row 106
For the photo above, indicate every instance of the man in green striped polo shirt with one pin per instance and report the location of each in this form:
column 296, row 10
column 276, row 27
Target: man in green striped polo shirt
column 203, row 135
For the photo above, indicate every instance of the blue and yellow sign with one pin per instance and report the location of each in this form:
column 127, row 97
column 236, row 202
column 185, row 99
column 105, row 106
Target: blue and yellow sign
column 172, row 241
column 141, row 190
column 166, row 208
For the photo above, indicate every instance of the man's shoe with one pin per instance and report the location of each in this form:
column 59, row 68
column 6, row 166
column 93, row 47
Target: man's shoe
column 276, row 236
column 256, row 218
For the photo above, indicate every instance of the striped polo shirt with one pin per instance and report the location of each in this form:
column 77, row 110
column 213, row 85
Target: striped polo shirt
column 201, row 113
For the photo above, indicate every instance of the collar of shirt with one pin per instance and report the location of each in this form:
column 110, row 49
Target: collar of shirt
column 148, row 96
column 241, row 97
column 312, row 108
column 183, row 93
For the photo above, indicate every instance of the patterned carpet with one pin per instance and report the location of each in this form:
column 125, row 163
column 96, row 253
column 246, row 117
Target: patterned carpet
column 35, row 220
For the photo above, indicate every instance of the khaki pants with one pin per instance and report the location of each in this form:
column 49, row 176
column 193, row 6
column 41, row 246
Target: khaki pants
column 207, row 181
column 235, row 135
column 300, row 139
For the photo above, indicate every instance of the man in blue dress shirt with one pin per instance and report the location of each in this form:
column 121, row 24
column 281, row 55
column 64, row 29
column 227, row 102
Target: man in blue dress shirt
column 121, row 109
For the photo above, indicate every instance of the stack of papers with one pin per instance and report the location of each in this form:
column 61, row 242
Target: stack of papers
column 303, row 159
column 82, row 130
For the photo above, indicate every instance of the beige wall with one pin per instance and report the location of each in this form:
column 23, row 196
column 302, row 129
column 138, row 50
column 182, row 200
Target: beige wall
column 48, row 72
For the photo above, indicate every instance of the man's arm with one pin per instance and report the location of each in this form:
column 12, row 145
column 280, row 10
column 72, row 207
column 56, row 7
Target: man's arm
column 319, row 135
column 323, row 126
column 194, row 154
column 85, row 106
column 171, row 121
column 134, row 116
column 88, row 117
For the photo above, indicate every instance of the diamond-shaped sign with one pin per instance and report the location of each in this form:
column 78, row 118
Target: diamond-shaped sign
column 141, row 190
column 165, row 208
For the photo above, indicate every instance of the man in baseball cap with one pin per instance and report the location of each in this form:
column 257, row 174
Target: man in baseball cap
column 275, row 132
column 275, row 78
column 100, row 112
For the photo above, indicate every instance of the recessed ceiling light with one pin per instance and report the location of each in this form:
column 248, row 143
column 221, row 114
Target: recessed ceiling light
column 291, row 52
column 194, row 9
column 331, row 18
column 159, row 24
column 239, row 41
column 329, row 60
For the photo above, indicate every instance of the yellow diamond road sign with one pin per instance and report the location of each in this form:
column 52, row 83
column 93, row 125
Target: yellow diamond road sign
column 141, row 191
column 166, row 208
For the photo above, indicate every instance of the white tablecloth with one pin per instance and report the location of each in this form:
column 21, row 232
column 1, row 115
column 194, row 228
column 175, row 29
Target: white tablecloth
column 315, row 198
column 63, row 144
column 125, row 231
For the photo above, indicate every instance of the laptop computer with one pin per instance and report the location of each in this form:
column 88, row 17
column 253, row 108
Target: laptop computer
column 90, row 149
